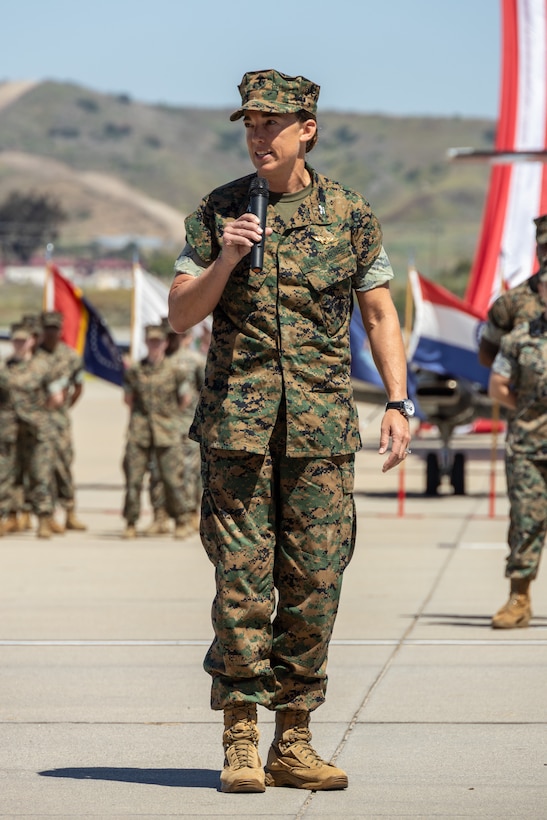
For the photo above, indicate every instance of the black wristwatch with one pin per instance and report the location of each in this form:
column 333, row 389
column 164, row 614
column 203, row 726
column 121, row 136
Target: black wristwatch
column 405, row 407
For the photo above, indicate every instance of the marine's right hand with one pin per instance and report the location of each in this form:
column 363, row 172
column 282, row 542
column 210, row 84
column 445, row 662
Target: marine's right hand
column 240, row 236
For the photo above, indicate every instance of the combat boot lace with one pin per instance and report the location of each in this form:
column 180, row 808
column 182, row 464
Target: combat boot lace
column 292, row 760
column 242, row 770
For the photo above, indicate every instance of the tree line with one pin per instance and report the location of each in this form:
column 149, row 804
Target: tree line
column 28, row 221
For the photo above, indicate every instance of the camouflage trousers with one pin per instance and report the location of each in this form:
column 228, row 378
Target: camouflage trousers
column 63, row 482
column 8, row 463
column 275, row 528
column 36, row 452
column 136, row 462
column 527, row 491
column 189, row 467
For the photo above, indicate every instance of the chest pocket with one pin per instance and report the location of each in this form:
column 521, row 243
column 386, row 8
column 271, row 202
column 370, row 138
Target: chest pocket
column 328, row 268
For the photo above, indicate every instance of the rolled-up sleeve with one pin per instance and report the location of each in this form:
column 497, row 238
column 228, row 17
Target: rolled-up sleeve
column 371, row 276
column 188, row 261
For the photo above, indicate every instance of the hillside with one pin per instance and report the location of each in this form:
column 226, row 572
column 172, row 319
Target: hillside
column 121, row 167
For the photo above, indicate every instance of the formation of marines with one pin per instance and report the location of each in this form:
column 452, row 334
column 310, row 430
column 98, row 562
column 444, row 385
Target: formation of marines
column 41, row 380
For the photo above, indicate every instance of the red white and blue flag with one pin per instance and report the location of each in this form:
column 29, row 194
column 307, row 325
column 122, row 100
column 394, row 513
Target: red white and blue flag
column 517, row 194
column 445, row 335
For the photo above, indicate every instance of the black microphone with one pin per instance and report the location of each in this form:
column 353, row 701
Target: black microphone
column 258, row 203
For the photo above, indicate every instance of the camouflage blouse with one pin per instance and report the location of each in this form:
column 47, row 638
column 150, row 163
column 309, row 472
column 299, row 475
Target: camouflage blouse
column 523, row 359
column 520, row 304
column 284, row 332
column 156, row 389
column 30, row 385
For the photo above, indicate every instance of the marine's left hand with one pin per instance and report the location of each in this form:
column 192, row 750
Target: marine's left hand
column 395, row 427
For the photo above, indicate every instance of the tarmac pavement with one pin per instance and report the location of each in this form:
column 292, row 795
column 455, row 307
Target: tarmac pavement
column 104, row 705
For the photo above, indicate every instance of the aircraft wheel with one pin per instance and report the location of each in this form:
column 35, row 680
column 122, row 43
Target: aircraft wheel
column 457, row 475
column 433, row 474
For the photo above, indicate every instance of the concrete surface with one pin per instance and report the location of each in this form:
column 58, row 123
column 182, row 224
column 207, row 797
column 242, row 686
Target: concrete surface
column 104, row 706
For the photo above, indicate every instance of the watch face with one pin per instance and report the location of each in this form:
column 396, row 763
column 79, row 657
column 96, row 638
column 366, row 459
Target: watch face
column 409, row 408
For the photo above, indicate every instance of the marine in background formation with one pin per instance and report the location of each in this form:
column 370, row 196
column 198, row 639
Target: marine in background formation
column 155, row 390
column 180, row 347
column 29, row 391
column 68, row 365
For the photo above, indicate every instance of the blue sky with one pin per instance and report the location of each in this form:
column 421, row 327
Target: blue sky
column 418, row 57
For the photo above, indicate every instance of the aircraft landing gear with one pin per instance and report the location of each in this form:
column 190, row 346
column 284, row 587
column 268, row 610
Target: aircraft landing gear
column 433, row 474
column 457, row 474
column 438, row 468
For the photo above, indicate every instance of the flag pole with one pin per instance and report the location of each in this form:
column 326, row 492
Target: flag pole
column 133, row 353
column 401, row 492
column 47, row 279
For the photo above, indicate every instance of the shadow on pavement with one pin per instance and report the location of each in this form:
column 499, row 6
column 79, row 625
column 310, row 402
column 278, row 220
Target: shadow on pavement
column 181, row 778
column 452, row 619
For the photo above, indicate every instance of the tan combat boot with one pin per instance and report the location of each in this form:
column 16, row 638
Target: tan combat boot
column 183, row 526
column 11, row 524
column 242, row 770
column 130, row 531
column 44, row 528
column 1, row 527
column 24, row 523
column 292, row 761
column 161, row 524
column 517, row 612
column 73, row 522
column 55, row 527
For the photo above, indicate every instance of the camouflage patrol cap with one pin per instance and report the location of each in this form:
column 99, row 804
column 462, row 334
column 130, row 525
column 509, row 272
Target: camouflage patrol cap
column 167, row 327
column 541, row 228
column 272, row 91
column 155, row 332
column 51, row 318
column 32, row 321
column 20, row 331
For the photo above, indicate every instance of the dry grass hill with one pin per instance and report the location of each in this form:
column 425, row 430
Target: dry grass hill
column 121, row 167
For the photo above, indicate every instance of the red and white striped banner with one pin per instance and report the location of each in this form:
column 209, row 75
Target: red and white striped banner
column 506, row 252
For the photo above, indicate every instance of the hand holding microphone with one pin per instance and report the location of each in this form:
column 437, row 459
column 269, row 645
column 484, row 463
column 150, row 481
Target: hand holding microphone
column 258, row 204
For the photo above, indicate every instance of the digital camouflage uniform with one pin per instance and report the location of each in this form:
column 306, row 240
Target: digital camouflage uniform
column 278, row 429
column 523, row 359
column 31, row 383
column 8, row 444
column 512, row 308
column 154, row 431
column 67, row 365
column 192, row 365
